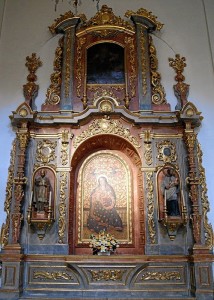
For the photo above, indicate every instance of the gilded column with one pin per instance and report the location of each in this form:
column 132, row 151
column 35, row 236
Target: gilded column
column 190, row 138
column 145, row 22
column 66, row 24
column 19, row 182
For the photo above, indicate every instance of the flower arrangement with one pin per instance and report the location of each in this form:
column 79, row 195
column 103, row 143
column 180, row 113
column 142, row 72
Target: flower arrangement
column 103, row 243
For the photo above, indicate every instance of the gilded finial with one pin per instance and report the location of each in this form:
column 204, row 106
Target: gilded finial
column 181, row 89
column 30, row 89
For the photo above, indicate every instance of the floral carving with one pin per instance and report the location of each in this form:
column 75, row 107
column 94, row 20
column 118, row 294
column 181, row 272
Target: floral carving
column 106, row 126
column 52, row 275
column 162, row 276
column 107, row 275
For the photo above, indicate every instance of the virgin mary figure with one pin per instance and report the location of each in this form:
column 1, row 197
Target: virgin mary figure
column 103, row 213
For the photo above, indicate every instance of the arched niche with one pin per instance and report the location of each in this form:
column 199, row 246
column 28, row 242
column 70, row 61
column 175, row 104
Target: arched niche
column 116, row 160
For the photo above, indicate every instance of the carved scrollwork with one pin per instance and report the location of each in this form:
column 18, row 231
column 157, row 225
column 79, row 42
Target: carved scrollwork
column 158, row 92
column 204, row 199
column 59, row 275
column 7, row 204
column 146, row 14
column 62, row 18
column 62, row 207
column 105, row 16
column 150, row 199
column 46, row 151
column 53, row 92
column 106, row 126
column 166, row 151
column 161, row 276
column 107, row 275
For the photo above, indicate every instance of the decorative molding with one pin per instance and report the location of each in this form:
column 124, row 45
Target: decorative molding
column 161, row 276
column 106, row 126
column 45, row 151
column 147, row 15
column 107, row 275
column 53, row 92
column 158, row 92
column 62, row 207
column 204, row 200
column 106, row 17
column 150, row 207
column 59, row 275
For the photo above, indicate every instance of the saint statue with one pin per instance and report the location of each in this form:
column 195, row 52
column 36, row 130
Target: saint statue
column 170, row 190
column 103, row 213
column 41, row 192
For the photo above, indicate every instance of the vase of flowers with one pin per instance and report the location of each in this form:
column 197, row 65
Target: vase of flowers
column 103, row 244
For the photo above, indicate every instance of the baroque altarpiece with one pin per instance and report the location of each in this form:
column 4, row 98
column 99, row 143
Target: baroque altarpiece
column 106, row 153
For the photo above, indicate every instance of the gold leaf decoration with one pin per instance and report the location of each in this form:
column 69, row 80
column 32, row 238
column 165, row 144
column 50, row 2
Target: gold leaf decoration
column 106, row 126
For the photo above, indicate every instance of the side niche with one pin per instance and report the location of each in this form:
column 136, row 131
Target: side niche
column 41, row 209
column 171, row 205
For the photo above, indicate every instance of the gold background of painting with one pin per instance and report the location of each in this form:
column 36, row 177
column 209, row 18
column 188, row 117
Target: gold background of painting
column 116, row 170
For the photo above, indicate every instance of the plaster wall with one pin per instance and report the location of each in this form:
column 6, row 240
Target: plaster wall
column 188, row 30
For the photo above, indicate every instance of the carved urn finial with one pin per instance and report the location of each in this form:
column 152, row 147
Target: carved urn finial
column 181, row 89
column 30, row 89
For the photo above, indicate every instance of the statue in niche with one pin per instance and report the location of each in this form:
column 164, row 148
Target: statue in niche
column 171, row 191
column 42, row 192
column 103, row 213
column 105, row 64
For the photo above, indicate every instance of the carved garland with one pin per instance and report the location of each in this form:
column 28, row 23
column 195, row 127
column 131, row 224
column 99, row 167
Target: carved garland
column 150, row 198
column 62, row 207
column 7, row 204
column 106, row 126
